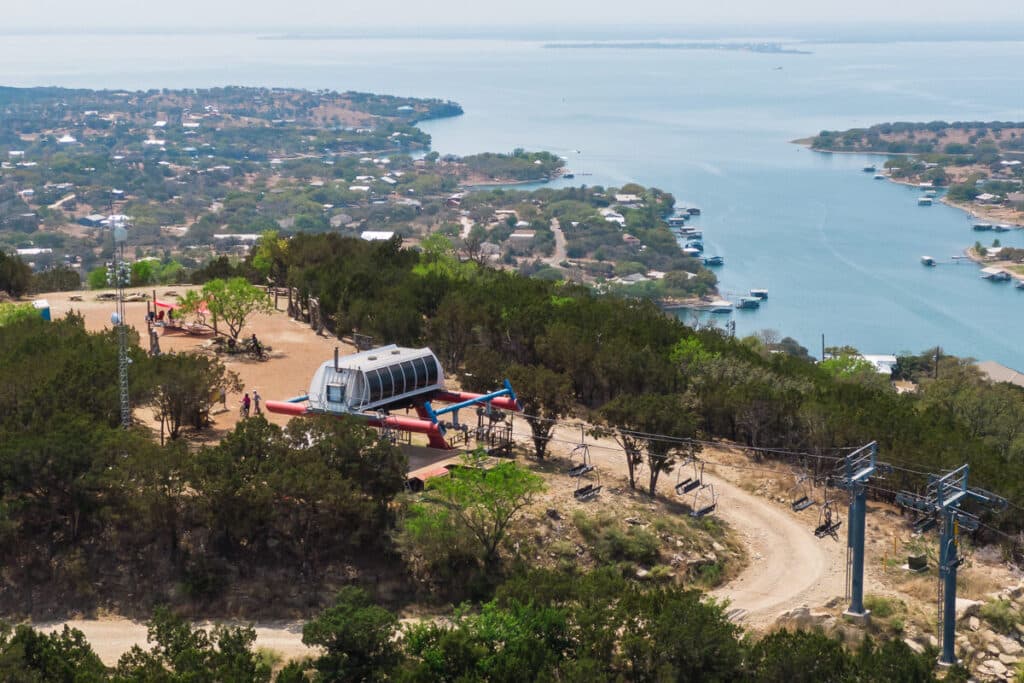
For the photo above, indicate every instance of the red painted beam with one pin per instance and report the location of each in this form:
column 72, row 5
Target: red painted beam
column 404, row 424
column 286, row 408
column 503, row 402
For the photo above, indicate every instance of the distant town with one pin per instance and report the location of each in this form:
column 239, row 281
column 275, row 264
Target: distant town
column 203, row 173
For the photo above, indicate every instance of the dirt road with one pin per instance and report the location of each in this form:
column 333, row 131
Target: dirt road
column 559, row 254
column 788, row 566
column 112, row 637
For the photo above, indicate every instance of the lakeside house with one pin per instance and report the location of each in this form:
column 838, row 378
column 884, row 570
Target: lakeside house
column 613, row 216
column 884, row 363
column 376, row 235
column 628, row 199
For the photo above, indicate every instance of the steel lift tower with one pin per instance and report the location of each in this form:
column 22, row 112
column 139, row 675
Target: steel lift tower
column 942, row 500
column 119, row 276
column 854, row 472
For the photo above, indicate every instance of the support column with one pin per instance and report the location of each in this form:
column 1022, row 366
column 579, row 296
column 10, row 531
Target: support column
column 858, row 508
column 948, row 570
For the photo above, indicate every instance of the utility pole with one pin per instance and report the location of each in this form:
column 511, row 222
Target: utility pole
column 943, row 498
column 855, row 470
column 118, row 275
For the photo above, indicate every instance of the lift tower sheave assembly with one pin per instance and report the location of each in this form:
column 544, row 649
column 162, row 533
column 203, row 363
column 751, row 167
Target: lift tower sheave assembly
column 943, row 498
column 854, row 472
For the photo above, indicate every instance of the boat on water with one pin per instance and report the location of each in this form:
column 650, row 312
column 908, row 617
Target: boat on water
column 924, row 201
column 761, row 294
column 694, row 244
column 570, row 176
column 931, row 193
column 1002, row 227
column 719, row 306
column 714, row 261
column 982, row 227
column 691, row 233
column 693, row 211
column 690, row 251
column 869, row 169
column 993, row 274
column 927, row 261
column 677, row 221
column 1020, row 284
column 879, row 176
column 749, row 302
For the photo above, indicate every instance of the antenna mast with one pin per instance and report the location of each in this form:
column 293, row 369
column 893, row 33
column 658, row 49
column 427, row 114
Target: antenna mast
column 118, row 275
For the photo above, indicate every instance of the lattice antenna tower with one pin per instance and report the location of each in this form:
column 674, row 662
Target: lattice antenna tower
column 119, row 276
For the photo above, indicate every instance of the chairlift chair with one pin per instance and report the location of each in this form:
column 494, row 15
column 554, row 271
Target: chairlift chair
column 709, row 507
column 585, row 465
column 684, row 486
column 588, row 491
column 925, row 523
column 801, row 501
column 828, row 521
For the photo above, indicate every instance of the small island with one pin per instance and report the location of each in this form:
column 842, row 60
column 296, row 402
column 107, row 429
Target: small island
column 767, row 48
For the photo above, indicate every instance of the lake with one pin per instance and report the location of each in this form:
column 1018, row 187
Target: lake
column 838, row 251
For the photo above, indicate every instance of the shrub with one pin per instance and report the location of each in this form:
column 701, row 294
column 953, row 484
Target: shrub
column 1001, row 615
column 611, row 543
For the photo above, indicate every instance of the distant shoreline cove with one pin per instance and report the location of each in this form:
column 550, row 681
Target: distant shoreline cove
column 766, row 48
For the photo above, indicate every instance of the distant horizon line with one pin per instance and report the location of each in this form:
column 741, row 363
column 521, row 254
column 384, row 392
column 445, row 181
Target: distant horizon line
column 806, row 31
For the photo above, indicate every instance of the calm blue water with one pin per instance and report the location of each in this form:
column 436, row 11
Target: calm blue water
column 838, row 250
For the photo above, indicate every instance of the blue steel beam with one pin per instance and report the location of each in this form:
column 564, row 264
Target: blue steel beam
column 455, row 407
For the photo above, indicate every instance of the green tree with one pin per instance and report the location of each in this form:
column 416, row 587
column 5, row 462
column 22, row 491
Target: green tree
column 545, row 396
column 13, row 313
column 182, row 653
column 143, row 273
column 358, row 639
column 270, row 258
column 30, row 656
column 229, row 301
column 647, row 420
column 15, row 275
column 798, row 657
column 97, row 278
column 60, row 279
column 479, row 503
column 672, row 634
column 185, row 386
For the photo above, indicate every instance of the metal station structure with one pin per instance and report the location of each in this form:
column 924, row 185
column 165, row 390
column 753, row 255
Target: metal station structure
column 372, row 384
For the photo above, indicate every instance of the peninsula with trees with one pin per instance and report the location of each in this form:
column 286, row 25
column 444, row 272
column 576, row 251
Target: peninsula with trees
column 980, row 163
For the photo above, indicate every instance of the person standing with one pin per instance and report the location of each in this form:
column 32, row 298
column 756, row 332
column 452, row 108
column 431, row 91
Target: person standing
column 256, row 402
column 246, row 402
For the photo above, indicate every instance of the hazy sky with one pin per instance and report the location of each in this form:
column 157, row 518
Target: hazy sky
column 404, row 15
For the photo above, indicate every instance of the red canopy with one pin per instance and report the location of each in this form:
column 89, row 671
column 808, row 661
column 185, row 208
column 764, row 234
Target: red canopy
column 167, row 304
